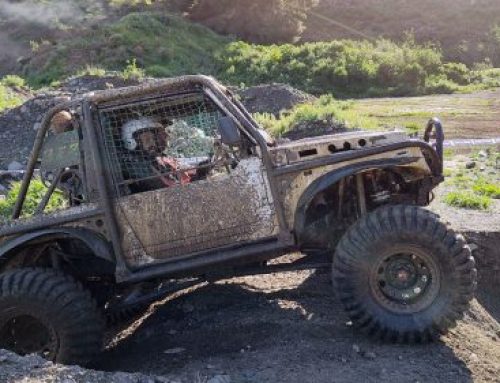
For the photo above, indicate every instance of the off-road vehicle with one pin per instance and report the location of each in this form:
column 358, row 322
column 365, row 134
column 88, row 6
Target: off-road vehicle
column 220, row 198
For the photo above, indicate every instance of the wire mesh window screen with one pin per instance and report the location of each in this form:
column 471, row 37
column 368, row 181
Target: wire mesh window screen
column 160, row 142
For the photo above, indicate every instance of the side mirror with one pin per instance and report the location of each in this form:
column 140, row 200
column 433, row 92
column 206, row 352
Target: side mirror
column 229, row 132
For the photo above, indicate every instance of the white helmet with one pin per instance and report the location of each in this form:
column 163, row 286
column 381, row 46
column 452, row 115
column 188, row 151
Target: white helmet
column 134, row 126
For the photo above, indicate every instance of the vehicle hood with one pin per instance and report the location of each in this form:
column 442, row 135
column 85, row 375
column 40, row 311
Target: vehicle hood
column 310, row 148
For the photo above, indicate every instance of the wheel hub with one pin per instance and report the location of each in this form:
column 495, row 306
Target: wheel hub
column 25, row 334
column 405, row 281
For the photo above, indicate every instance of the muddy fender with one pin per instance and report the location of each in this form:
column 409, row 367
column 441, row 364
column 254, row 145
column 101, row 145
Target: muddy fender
column 98, row 245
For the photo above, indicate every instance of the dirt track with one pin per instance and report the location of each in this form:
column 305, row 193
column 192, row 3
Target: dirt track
column 290, row 327
column 469, row 115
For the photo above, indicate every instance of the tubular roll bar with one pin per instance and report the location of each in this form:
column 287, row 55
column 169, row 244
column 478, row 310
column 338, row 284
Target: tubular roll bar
column 435, row 124
column 37, row 147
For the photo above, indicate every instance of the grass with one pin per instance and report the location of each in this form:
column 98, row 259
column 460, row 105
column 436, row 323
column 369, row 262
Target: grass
column 35, row 194
column 468, row 200
column 162, row 45
column 12, row 81
column 8, row 99
column 326, row 108
column 474, row 188
column 488, row 189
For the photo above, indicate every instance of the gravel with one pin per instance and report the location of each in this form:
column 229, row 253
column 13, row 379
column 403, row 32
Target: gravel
column 33, row 369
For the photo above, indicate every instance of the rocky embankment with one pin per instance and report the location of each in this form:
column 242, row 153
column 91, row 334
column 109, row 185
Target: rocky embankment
column 34, row 369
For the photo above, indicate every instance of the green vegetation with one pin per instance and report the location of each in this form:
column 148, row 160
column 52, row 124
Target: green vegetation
column 8, row 96
column 326, row 108
column 473, row 188
column 468, row 31
column 468, row 200
column 161, row 45
column 12, row 80
column 488, row 189
column 352, row 68
column 91, row 70
column 35, row 194
column 8, row 99
column 132, row 71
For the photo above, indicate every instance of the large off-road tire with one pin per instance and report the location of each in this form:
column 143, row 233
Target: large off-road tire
column 402, row 275
column 49, row 313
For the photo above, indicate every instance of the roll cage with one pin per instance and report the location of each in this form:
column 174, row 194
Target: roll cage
column 101, row 192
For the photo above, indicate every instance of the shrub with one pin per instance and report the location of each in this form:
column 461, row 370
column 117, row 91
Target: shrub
column 440, row 84
column 344, row 67
column 91, row 70
column 467, row 199
column 457, row 72
column 35, row 194
column 8, row 99
column 13, row 81
column 132, row 71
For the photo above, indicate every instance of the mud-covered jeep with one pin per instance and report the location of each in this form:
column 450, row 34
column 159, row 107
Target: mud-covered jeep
column 173, row 183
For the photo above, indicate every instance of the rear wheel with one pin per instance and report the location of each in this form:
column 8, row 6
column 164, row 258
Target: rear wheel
column 402, row 275
column 48, row 313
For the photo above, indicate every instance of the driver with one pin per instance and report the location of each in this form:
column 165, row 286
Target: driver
column 145, row 141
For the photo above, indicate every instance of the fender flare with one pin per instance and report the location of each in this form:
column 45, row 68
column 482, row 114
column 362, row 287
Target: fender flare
column 329, row 179
column 97, row 244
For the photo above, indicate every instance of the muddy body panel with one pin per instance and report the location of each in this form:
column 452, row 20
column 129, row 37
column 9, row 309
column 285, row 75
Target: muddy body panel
column 293, row 185
column 164, row 224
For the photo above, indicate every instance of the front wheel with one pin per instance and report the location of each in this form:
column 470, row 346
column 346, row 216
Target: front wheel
column 49, row 313
column 402, row 275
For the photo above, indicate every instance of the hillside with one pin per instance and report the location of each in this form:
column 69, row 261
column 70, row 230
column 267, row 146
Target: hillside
column 467, row 30
column 56, row 39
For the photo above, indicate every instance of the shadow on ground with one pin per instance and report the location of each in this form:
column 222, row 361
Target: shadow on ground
column 255, row 333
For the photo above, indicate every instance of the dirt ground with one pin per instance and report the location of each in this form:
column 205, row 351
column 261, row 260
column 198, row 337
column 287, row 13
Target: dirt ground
column 290, row 327
column 473, row 115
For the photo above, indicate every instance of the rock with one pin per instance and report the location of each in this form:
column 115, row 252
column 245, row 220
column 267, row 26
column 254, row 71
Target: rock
column 356, row 348
column 37, row 126
column 175, row 350
column 370, row 355
column 272, row 98
column 473, row 357
column 33, row 368
column 14, row 165
column 470, row 165
column 220, row 379
column 482, row 168
column 483, row 154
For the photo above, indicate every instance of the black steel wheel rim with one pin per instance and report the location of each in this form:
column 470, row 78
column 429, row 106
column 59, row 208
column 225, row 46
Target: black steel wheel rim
column 405, row 280
column 25, row 334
